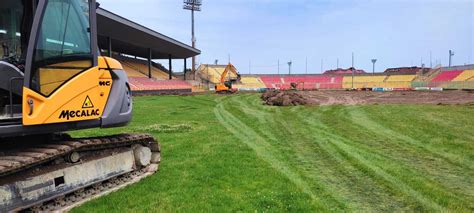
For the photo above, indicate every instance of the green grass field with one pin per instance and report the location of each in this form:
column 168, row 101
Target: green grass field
column 231, row 153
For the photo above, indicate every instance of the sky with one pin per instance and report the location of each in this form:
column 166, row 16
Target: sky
column 313, row 34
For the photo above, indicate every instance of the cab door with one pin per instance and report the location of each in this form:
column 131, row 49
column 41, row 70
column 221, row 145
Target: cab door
column 62, row 76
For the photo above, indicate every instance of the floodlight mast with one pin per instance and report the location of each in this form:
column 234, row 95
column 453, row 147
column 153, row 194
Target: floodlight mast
column 193, row 5
column 373, row 65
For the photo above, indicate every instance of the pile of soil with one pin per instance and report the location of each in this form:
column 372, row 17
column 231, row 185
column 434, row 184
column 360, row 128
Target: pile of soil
column 322, row 98
column 283, row 98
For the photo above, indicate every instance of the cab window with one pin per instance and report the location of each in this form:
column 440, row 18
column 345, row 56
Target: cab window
column 63, row 47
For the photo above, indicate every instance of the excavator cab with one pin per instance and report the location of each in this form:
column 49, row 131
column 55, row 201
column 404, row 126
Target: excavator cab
column 52, row 78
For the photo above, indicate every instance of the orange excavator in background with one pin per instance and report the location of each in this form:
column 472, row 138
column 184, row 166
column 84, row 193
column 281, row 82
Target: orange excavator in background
column 226, row 86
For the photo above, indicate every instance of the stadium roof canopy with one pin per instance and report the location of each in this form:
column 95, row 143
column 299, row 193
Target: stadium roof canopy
column 134, row 39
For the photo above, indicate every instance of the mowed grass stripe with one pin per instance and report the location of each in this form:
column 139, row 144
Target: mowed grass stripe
column 360, row 118
column 417, row 180
column 264, row 150
column 366, row 163
column 443, row 173
column 316, row 163
column 298, row 148
column 406, row 154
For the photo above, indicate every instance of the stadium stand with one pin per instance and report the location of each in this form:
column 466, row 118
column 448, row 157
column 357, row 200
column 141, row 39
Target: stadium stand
column 394, row 78
column 137, row 71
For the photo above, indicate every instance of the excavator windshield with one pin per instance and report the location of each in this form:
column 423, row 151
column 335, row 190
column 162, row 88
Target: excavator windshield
column 63, row 46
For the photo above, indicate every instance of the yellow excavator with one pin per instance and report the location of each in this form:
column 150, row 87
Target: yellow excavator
column 224, row 85
column 52, row 80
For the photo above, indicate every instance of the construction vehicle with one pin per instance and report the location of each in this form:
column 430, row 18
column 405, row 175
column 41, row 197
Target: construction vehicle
column 225, row 84
column 53, row 80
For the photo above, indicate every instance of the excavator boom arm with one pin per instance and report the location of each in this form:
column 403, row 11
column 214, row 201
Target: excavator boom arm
column 229, row 68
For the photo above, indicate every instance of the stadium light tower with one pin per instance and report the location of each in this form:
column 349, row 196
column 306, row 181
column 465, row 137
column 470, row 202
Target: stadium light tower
column 289, row 67
column 193, row 5
column 373, row 65
column 451, row 54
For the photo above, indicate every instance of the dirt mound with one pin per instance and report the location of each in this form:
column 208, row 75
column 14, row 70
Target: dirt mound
column 283, row 98
column 323, row 98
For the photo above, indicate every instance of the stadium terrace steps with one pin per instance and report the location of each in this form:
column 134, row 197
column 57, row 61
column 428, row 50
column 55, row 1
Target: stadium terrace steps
column 363, row 81
column 399, row 81
column 466, row 75
column 147, row 84
column 132, row 72
column 271, row 81
column 139, row 68
column 143, row 69
column 250, row 83
column 444, row 78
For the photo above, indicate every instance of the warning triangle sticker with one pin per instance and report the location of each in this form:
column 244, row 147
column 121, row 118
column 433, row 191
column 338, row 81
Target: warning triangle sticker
column 87, row 103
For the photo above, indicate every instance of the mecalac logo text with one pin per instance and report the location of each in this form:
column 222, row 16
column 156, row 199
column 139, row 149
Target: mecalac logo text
column 68, row 114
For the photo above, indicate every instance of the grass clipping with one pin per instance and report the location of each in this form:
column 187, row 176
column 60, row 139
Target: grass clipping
column 166, row 128
column 283, row 98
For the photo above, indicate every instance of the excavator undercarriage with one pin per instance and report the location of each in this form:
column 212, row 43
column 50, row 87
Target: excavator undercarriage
column 58, row 173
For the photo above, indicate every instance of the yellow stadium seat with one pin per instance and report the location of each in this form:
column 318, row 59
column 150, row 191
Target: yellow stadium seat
column 363, row 81
column 250, row 82
column 466, row 75
column 137, row 69
column 131, row 72
column 399, row 81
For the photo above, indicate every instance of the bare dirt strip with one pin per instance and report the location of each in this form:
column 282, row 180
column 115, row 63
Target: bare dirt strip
column 287, row 98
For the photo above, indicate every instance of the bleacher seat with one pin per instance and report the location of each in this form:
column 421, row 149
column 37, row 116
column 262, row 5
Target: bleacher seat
column 466, row 75
column 446, row 76
column 443, row 79
column 399, row 81
column 139, row 68
column 364, row 81
column 150, row 84
column 315, row 82
column 250, row 83
column 272, row 81
column 131, row 72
